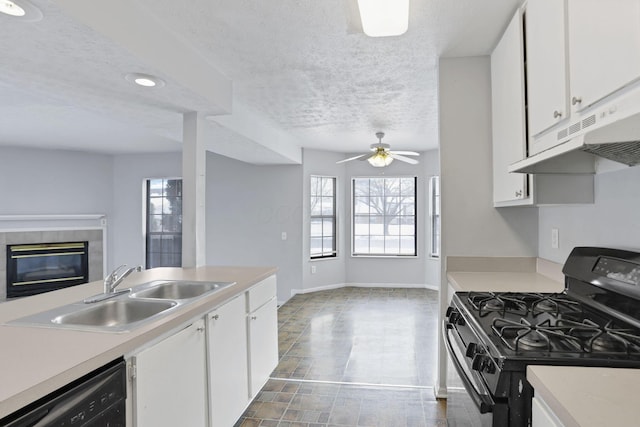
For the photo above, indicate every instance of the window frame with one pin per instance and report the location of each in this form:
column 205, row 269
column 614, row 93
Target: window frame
column 415, row 253
column 333, row 216
column 147, row 216
column 434, row 216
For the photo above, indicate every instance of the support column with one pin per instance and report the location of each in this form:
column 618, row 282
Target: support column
column 194, row 165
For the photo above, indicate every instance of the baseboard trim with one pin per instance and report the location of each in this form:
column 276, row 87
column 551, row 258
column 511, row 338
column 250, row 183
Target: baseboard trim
column 364, row 285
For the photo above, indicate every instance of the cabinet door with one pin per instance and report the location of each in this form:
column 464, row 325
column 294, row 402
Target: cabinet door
column 263, row 344
column 541, row 415
column 546, row 41
column 170, row 381
column 228, row 366
column 604, row 48
column 508, row 116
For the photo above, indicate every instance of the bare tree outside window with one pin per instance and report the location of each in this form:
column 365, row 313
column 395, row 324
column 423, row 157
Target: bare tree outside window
column 384, row 216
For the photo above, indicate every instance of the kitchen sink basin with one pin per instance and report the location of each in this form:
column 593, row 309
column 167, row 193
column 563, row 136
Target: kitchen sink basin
column 118, row 314
column 124, row 312
column 177, row 290
column 114, row 313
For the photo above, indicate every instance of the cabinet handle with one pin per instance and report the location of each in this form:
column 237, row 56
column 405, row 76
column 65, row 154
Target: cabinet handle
column 576, row 100
column 215, row 316
column 254, row 317
column 519, row 193
column 557, row 114
column 200, row 329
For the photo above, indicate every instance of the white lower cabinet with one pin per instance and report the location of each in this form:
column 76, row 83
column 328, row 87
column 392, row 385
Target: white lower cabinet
column 228, row 367
column 198, row 379
column 263, row 344
column 262, row 317
column 169, row 383
column 542, row 415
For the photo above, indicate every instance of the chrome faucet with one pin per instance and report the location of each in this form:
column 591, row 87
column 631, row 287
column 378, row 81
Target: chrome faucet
column 111, row 282
column 115, row 278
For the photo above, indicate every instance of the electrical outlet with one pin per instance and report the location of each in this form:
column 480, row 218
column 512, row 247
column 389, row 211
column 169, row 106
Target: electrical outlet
column 284, row 235
column 555, row 239
column 313, row 269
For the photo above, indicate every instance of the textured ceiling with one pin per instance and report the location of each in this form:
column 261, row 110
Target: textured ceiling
column 302, row 66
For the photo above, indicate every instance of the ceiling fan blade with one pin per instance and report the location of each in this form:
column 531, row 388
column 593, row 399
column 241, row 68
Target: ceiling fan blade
column 405, row 153
column 405, row 159
column 350, row 158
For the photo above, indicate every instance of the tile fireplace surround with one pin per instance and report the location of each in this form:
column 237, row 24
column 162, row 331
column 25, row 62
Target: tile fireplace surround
column 48, row 232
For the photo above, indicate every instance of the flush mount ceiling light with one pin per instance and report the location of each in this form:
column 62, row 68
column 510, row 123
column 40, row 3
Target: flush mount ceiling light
column 20, row 9
column 145, row 80
column 384, row 18
column 11, row 8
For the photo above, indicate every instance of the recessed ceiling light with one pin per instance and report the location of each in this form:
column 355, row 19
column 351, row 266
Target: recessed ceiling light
column 384, row 18
column 145, row 80
column 11, row 8
column 20, row 9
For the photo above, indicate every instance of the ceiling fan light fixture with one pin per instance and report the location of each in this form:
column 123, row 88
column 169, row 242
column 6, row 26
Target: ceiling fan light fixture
column 384, row 18
column 380, row 159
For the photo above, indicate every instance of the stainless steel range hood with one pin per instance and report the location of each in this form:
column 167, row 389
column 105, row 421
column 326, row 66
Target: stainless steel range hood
column 617, row 140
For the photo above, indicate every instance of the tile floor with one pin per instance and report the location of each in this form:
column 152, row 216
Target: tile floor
column 353, row 357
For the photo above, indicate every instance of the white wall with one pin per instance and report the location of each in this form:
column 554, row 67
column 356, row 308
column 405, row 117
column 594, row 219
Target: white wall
column 127, row 222
column 471, row 226
column 329, row 271
column 34, row 181
column 248, row 207
column 612, row 221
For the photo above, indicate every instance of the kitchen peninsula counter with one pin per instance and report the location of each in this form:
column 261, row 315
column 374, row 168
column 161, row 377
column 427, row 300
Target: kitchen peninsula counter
column 588, row 397
column 36, row 361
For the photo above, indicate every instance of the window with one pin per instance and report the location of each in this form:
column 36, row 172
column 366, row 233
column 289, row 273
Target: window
column 323, row 217
column 164, row 223
column 434, row 215
column 384, row 216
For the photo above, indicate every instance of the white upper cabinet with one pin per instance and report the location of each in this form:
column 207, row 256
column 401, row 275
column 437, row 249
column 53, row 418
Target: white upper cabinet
column 508, row 114
column 547, row 86
column 604, row 48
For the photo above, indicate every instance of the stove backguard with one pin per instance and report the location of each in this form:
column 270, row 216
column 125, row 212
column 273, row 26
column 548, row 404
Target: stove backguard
column 36, row 268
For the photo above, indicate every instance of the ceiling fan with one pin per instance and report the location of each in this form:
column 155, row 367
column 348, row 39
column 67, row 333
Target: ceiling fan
column 382, row 155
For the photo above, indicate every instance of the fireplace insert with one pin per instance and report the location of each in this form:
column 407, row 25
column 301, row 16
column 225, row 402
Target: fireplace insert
column 36, row 268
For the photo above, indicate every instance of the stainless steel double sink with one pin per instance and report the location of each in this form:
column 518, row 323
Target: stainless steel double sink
column 122, row 313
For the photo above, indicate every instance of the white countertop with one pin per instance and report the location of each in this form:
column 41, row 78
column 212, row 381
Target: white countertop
column 589, row 397
column 502, row 282
column 37, row 361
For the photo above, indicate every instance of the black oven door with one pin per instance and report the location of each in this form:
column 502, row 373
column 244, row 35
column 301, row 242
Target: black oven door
column 474, row 406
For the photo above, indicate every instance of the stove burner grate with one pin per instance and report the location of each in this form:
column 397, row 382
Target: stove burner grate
column 566, row 336
column 555, row 304
column 523, row 335
column 492, row 302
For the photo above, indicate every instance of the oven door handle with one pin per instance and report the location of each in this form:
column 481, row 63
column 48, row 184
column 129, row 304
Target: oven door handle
column 484, row 402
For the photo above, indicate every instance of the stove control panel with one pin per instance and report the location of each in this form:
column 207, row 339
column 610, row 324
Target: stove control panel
column 618, row 269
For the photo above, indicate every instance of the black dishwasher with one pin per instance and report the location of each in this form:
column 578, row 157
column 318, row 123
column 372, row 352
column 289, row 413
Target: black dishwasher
column 97, row 399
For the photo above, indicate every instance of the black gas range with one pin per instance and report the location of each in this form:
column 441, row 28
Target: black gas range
column 595, row 321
